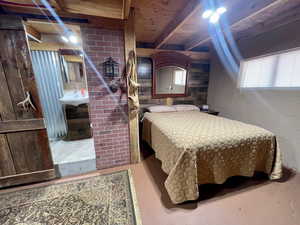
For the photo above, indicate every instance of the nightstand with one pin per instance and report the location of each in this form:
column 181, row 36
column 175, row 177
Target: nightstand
column 211, row 112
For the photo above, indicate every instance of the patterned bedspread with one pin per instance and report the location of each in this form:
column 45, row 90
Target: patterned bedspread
column 197, row 148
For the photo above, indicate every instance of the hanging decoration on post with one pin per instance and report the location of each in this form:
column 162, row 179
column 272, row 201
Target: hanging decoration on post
column 132, row 85
column 111, row 68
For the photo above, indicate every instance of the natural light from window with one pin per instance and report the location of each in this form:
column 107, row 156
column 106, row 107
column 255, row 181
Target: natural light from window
column 179, row 77
column 280, row 70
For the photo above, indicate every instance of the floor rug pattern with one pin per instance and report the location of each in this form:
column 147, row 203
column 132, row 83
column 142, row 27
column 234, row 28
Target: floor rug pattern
column 104, row 199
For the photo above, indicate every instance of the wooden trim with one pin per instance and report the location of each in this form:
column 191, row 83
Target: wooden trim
column 107, row 9
column 51, row 46
column 21, row 125
column 164, row 59
column 272, row 53
column 69, row 18
column 191, row 8
column 196, row 56
column 33, row 33
column 73, row 58
column 64, row 51
column 27, row 178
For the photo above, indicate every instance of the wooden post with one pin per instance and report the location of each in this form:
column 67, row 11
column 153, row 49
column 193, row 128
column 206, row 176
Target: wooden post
column 130, row 57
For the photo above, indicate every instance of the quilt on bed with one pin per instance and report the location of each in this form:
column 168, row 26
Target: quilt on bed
column 198, row 148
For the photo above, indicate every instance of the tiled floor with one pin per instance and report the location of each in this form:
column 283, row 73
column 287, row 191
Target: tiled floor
column 239, row 201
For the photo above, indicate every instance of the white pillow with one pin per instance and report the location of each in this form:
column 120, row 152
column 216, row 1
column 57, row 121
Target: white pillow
column 161, row 108
column 183, row 108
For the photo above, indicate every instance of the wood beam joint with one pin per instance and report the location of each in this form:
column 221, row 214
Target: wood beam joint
column 126, row 8
column 191, row 8
column 33, row 33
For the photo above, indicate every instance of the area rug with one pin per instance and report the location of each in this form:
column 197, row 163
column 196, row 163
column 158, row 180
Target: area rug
column 105, row 199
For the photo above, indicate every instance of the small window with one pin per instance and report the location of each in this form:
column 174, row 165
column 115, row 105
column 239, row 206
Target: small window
column 179, row 77
column 280, row 70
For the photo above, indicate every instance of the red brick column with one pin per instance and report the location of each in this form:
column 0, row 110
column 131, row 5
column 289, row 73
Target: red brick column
column 109, row 118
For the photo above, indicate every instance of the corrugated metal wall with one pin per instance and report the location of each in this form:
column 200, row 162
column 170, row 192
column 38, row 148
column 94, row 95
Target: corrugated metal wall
column 47, row 70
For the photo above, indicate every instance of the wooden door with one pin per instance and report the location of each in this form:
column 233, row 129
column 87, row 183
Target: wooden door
column 24, row 148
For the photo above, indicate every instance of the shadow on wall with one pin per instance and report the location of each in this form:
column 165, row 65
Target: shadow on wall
column 275, row 110
column 119, row 111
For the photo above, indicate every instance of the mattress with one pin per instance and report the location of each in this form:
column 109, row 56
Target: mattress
column 198, row 148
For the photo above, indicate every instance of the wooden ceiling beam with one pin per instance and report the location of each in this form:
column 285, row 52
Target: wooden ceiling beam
column 126, row 8
column 245, row 14
column 104, row 8
column 196, row 56
column 91, row 21
column 192, row 7
column 283, row 19
column 50, row 46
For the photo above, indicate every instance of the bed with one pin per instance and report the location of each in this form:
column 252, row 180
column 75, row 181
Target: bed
column 198, row 148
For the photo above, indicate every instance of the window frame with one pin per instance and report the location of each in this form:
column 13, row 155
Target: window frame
column 241, row 77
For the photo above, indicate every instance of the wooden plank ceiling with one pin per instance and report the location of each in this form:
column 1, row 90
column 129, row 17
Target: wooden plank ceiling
column 116, row 9
column 176, row 24
column 159, row 24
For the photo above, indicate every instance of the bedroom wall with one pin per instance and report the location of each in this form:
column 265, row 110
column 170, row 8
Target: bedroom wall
column 109, row 121
column 197, row 84
column 275, row 110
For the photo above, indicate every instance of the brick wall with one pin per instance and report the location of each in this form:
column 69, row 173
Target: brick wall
column 108, row 115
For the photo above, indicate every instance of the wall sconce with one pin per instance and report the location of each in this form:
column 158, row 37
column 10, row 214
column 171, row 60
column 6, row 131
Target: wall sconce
column 111, row 68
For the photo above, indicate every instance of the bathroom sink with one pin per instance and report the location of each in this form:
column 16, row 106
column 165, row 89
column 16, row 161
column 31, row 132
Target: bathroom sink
column 74, row 98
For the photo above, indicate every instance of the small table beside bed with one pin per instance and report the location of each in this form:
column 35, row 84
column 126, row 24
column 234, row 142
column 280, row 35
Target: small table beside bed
column 197, row 148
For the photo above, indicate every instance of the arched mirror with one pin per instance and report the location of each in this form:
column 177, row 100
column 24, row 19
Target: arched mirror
column 170, row 75
column 171, row 80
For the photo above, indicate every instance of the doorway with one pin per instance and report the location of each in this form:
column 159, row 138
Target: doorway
column 59, row 70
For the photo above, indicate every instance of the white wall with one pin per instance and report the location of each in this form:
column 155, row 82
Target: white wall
column 275, row 110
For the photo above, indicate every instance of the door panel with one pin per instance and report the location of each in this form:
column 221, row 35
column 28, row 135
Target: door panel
column 25, row 153
column 6, row 163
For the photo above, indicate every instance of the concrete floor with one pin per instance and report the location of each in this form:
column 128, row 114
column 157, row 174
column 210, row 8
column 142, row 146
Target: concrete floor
column 73, row 157
column 72, row 151
column 240, row 201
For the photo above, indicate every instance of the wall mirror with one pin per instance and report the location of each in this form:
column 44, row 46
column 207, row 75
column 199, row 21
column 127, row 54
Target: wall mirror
column 170, row 75
column 171, row 80
column 72, row 70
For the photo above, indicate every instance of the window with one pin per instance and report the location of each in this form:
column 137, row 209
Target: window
column 179, row 77
column 280, row 70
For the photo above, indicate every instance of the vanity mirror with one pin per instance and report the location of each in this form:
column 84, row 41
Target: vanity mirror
column 170, row 75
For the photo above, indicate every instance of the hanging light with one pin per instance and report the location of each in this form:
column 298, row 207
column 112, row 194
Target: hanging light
column 73, row 39
column 111, row 68
column 214, row 18
column 65, row 39
column 212, row 15
column 221, row 10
